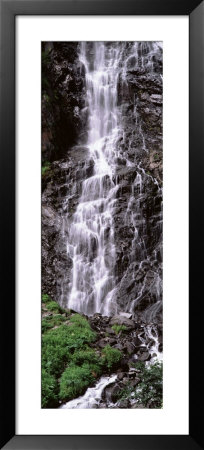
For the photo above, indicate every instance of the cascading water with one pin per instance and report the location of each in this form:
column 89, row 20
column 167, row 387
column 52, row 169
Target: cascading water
column 91, row 236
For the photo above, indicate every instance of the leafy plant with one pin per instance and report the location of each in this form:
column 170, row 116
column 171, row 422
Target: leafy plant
column 149, row 391
column 117, row 328
column 46, row 298
column 49, row 389
column 52, row 321
column 111, row 357
column 45, row 167
column 74, row 381
column 54, row 306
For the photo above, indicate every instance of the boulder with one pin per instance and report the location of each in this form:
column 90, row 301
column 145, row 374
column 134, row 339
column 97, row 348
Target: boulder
column 126, row 315
column 144, row 357
column 121, row 320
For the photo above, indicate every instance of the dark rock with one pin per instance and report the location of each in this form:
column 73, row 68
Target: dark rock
column 120, row 320
column 138, row 406
column 144, row 357
column 123, row 404
column 129, row 347
column 111, row 392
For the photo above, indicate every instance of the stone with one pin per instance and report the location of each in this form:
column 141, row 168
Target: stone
column 129, row 347
column 121, row 375
column 120, row 320
column 123, row 403
column 102, row 343
column 126, row 315
column 144, row 357
column 137, row 406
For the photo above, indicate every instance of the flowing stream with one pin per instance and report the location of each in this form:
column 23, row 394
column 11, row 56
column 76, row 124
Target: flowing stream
column 92, row 397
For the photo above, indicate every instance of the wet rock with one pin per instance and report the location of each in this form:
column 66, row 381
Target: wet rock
column 111, row 392
column 126, row 315
column 129, row 348
column 144, row 357
column 123, row 404
column 121, row 320
column 103, row 342
column 137, row 406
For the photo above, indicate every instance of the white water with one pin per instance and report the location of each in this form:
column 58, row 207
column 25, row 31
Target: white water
column 91, row 236
column 92, row 397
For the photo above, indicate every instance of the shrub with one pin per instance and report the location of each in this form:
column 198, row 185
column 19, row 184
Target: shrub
column 88, row 356
column 74, row 381
column 118, row 328
column 149, row 391
column 151, row 387
column 59, row 344
column 79, row 321
column 49, row 390
column 111, row 357
column 52, row 321
column 46, row 298
column 54, row 306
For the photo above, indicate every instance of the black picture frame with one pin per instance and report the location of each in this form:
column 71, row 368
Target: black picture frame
column 9, row 10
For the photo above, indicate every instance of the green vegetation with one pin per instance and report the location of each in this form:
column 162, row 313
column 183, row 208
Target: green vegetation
column 52, row 321
column 111, row 357
column 119, row 328
column 46, row 298
column 55, row 307
column 156, row 157
column 149, row 391
column 45, row 167
column 69, row 363
column 49, row 389
column 74, row 381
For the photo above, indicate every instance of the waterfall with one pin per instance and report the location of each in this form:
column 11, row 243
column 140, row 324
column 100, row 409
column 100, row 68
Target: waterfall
column 91, row 236
column 92, row 240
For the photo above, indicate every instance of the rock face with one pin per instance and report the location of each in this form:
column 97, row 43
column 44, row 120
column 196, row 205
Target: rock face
column 137, row 175
column 63, row 99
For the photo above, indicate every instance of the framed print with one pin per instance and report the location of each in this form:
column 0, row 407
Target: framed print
column 82, row 224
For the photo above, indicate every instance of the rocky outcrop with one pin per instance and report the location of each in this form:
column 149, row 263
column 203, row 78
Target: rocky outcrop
column 64, row 114
column 131, row 336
